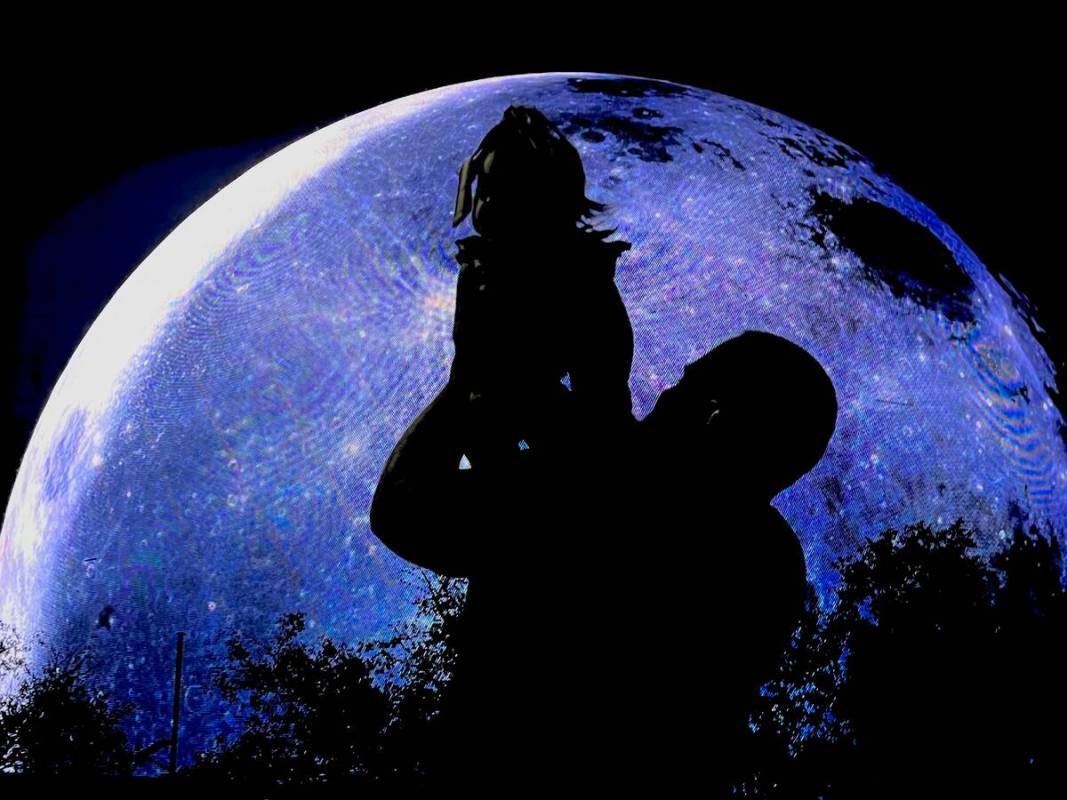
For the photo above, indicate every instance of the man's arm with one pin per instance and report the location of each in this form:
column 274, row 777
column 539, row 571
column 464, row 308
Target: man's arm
column 429, row 511
column 419, row 505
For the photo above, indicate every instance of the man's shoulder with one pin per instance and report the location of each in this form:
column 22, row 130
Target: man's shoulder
column 764, row 552
column 782, row 538
column 783, row 563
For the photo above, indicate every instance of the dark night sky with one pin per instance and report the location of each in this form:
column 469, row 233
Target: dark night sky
column 115, row 145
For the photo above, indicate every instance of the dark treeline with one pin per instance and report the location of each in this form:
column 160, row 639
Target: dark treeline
column 935, row 671
column 934, row 674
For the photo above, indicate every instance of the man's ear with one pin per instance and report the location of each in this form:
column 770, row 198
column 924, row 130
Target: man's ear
column 714, row 411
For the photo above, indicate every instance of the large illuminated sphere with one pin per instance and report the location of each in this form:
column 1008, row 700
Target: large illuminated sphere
column 207, row 459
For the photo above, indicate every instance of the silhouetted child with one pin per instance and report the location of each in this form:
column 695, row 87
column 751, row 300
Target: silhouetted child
column 744, row 423
column 542, row 337
column 498, row 477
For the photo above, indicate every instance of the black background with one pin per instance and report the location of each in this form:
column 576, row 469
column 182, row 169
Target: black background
column 963, row 121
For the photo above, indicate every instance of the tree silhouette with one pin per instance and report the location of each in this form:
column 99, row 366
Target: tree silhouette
column 914, row 619
column 311, row 714
column 934, row 672
column 334, row 712
column 12, row 655
column 1031, row 624
column 415, row 666
column 796, row 727
column 52, row 724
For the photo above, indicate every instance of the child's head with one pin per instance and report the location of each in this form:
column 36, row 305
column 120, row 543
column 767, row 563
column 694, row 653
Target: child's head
column 529, row 178
column 756, row 413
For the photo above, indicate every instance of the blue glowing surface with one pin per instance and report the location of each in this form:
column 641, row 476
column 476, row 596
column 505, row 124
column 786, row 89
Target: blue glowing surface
column 207, row 459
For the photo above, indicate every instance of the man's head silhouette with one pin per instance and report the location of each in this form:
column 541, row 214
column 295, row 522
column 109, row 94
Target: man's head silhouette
column 756, row 413
column 524, row 178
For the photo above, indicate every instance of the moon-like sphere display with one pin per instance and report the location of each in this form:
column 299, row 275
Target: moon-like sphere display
column 206, row 461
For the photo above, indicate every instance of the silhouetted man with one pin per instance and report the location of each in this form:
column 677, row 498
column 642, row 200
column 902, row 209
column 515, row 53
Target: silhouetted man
column 588, row 540
column 744, row 423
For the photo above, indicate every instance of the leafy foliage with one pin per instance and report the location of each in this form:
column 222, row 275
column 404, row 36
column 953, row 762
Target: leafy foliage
column 52, row 723
column 935, row 671
column 796, row 724
column 415, row 665
column 333, row 712
column 310, row 713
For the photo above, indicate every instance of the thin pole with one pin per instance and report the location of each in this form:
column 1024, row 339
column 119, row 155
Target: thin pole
column 177, row 704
